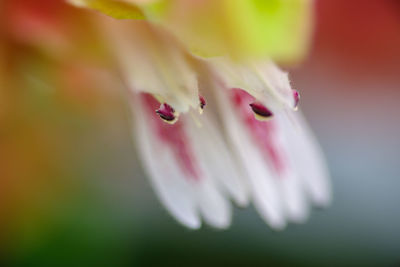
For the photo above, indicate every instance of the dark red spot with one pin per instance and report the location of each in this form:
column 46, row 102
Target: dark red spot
column 172, row 135
column 202, row 101
column 260, row 109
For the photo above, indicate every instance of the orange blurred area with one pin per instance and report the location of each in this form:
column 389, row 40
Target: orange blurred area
column 56, row 91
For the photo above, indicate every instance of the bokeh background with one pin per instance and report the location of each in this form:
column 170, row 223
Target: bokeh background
column 72, row 192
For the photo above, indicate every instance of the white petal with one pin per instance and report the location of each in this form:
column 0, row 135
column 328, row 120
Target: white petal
column 173, row 188
column 292, row 189
column 308, row 160
column 214, row 207
column 184, row 196
column 152, row 61
column 293, row 195
column 263, row 80
column 264, row 187
column 217, row 160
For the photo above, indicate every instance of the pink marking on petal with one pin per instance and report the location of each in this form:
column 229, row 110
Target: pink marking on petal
column 296, row 96
column 202, row 101
column 172, row 135
column 263, row 132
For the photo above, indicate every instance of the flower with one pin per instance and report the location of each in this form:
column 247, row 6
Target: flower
column 213, row 116
column 249, row 145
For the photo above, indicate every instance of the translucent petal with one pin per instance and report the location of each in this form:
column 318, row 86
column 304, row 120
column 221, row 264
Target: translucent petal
column 291, row 185
column 308, row 159
column 261, row 79
column 176, row 158
column 152, row 61
column 217, row 159
column 173, row 188
column 214, row 207
column 294, row 199
column 264, row 186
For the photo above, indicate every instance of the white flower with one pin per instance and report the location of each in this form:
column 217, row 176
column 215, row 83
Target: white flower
column 248, row 146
